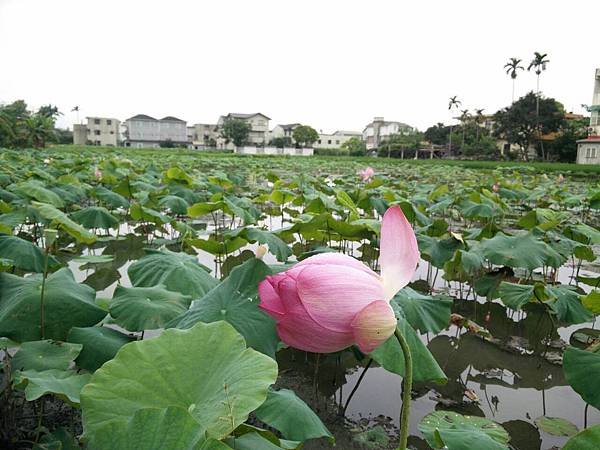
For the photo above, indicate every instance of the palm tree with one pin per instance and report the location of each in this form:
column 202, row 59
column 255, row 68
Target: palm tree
column 538, row 62
column 478, row 120
column 512, row 67
column 453, row 103
column 464, row 118
column 38, row 129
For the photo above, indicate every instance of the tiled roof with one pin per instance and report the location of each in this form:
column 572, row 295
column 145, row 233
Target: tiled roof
column 141, row 117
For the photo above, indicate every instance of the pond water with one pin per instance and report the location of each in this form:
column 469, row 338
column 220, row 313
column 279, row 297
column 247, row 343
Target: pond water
column 511, row 386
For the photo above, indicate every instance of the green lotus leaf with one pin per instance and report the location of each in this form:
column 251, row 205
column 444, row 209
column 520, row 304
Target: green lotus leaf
column 138, row 308
column 592, row 301
column 453, row 431
column 44, row 355
column 67, row 304
column 567, row 305
column 100, row 344
column 95, row 217
column 523, row 250
column 110, row 198
column 235, row 300
column 425, row 313
column 61, row 221
column 438, row 251
column 556, row 426
column 286, row 412
column 588, row 439
column 175, row 204
column 276, row 245
column 178, row 272
column 205, row 370
column 581, row 370
column 36, row 190
column 65, row 384
column 25, row 255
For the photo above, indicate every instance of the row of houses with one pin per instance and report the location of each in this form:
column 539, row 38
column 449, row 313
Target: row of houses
column 142, row 131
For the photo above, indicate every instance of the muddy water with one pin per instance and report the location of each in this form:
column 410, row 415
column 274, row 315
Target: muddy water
column 511, row 387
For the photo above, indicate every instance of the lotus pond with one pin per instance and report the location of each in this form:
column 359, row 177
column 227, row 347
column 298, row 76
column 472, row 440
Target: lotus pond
column 129, row 310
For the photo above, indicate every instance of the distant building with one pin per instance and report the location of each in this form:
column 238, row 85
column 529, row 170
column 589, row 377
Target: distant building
column 205, row 136
column 281, row 131
column 145, row 131
column 588, row 150
column 379, row 129
column 97, row 131
column 336, row 139
column 259, row 127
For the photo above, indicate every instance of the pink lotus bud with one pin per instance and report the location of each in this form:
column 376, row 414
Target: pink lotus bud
column 97, row 173
column 495, row 187
column 561, row 178
column 366, row 173
column 330, row 301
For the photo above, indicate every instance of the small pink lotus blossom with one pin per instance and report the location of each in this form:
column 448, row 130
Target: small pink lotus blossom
column 561, row 178
column 495, row 187
column 330, row 301
column 97, row 173
column 367, row 173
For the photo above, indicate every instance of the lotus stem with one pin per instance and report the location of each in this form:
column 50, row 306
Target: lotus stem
column 406, row 389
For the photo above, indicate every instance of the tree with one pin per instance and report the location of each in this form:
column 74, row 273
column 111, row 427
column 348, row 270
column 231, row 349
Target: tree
column 437, row 134
column 538, row 62
column 512, row 67
column 236, row 131
column 355, row 146
column 564, row 146
column 49, row 111
column 39, row 129
column 281, row 142
column 395, row 145
column 522, row 122
column 453, row 103
column 464, row 119
column 305, row 135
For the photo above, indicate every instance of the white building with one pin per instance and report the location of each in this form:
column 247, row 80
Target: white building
column 283, row 131
column 145, row 131
column 336, row 139
column 588, row 150
column 379, row 129
column 259, row 127
column 98, row 131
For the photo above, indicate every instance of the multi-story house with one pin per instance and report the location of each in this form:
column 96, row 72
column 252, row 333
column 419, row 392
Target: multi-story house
column 259, row 127
column 283, row 131
column 588, row 150
column 379, row 129
column 336, row 139
column 97, row 131
column 206, row 135
column 145, row 131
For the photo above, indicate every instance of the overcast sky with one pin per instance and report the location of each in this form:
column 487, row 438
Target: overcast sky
column 333, row 64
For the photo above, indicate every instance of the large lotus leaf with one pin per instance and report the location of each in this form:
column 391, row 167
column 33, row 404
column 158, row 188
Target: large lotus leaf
column 286, row 412
column 463, row 266
column 453, row 431
column 44, row 355
column 592, row 301
column 588, row 439
column 252, row 441
column 36, row 190
column 389, row 354
column 138, row 308
column 235, row 301
column 25, row 255
column 516, row 296
column 591, row 233
column 143, row 214
column 205, row 370
column 95, row 217
column 424, row 312
column 65, row 384
column 111, row 198
column 523, row 250
column 178, row 272
column 171, row 428
column 438, row 251
column 581, row 370
column 102, row 277
column 177, row 174
column 567, row 305
column 67, row 304
column 61, row 221
column 100, row 344
column 175, row 204
column 276, row 246
column 556, row 426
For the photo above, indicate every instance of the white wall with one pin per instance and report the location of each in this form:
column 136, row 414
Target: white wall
column 251, row 150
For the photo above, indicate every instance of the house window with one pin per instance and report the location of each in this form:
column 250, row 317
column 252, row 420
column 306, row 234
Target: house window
column 329, row 141
column 337, row 142
column 97, row 132
column 108, row 122
column 97, row 121
column 319, row 141
column 112, row 132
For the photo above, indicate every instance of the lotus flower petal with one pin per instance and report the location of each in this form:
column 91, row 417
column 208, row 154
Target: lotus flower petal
column 269, row 298
column 373, row 325
column 333, row 294
column 399, row 252
column 338, row 259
